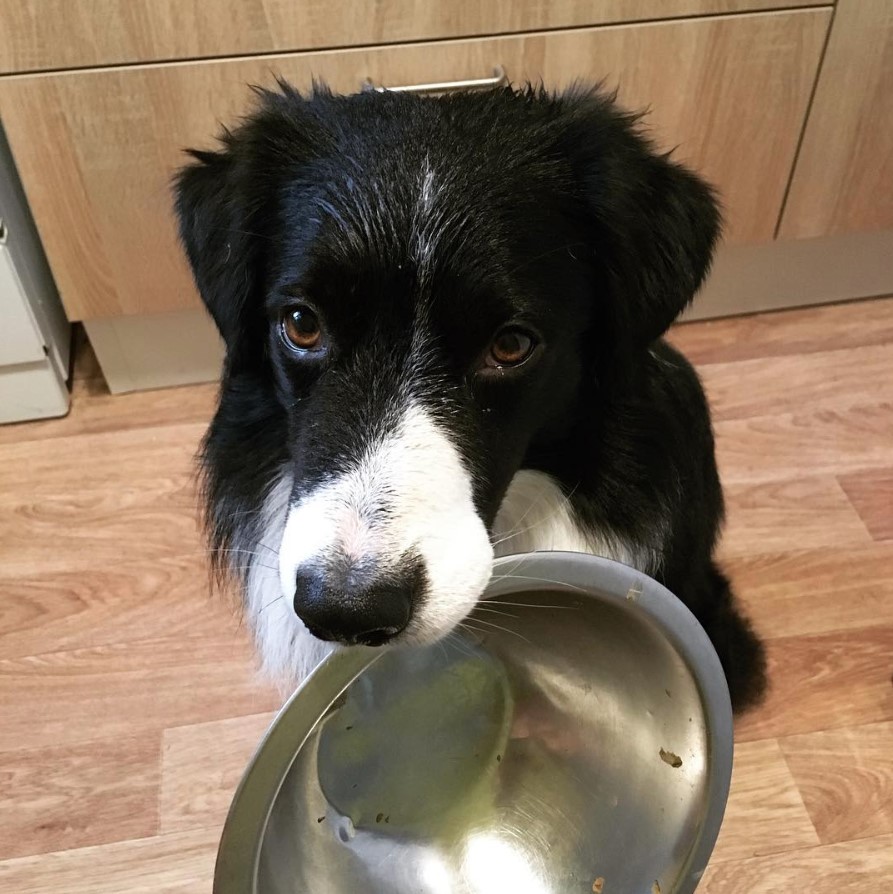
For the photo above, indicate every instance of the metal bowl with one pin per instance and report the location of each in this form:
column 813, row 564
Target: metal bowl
column 577, row 739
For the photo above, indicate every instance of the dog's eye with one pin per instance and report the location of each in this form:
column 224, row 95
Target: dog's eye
column 300, row 329
column 511, row 347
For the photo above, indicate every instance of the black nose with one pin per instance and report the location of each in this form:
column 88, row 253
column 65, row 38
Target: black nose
column 356, row 610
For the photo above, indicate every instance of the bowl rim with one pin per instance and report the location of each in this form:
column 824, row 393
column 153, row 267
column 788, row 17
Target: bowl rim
column 238, row 853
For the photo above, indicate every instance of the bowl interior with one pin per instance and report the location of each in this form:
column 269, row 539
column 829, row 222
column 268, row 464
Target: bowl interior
column 568, row 741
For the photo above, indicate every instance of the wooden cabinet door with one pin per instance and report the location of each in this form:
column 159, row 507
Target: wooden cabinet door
column 843, row 181
column 60, row 34
column 96, row 149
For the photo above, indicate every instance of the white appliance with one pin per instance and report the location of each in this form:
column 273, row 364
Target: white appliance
column 35, row 336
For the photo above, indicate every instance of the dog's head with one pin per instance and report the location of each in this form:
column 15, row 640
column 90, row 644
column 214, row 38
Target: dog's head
column 416, row 296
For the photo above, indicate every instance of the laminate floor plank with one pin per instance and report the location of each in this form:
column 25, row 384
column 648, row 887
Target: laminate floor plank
column 846, row 779
column 807, row 330
column 129, row 699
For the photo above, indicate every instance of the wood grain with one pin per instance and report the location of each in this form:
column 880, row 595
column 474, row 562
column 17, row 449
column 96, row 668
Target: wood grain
column 99, row 603
column 108, row 519
column 160, row 458
column 825, row 380
column 131, row 688
column 852, row 439
column 128, row 695
column 765, row 813
column 56, row 34
column 872, row 494
column 182, row 863
column 824, row 681
column 69, row 797
column 142, row 527
column 96, row 149
column 94, row 411
column 851, row 868
column 843, row 181
column 196, row 791
column 795, row 514
column 796, row 593
column 857, row 324
column 845, row 777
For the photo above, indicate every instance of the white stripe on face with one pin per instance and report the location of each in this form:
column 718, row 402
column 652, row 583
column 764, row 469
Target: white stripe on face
column 287, row 651
column 409, row 493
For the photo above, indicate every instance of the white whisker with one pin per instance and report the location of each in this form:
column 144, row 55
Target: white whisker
column 271, row 602
column 528, row 605
column 497, row 627
column 543, row 580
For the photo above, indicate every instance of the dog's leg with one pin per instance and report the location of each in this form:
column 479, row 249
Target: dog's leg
column 740, row 651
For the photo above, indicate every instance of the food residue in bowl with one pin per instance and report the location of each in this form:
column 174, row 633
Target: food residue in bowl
column 672, row 759
column 598, row 885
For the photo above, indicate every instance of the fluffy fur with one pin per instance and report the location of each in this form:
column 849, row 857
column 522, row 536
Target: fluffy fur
column 382, row 473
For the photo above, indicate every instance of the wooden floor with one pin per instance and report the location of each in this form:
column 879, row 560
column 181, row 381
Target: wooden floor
column 128, row 704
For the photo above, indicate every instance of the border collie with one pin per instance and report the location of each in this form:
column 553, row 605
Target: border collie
column 443, row 321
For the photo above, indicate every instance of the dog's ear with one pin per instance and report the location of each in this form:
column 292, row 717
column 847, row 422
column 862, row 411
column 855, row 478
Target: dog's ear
column 227, row 206
column 654, row 224
column 214, row 228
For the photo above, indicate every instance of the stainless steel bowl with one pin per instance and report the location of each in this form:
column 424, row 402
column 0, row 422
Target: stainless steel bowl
column 578, row 739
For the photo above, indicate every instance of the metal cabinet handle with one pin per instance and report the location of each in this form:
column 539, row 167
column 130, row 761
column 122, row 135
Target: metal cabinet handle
column 499, row 79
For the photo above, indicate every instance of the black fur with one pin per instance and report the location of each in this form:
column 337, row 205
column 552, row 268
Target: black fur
column 550, row 209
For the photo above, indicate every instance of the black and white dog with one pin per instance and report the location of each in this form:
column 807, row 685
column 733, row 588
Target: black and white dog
column 442, row 319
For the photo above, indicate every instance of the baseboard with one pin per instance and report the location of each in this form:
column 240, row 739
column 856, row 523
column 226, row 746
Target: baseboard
column 146, row 351
column 752, row 278
column 158, row 350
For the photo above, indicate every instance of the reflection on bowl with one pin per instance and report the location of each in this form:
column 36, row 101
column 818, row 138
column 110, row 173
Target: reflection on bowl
column 579, row 740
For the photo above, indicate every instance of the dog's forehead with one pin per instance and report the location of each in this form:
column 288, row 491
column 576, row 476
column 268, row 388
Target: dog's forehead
column 405, row 239
column 402, row 206
column 422, row 172
column 424, row 221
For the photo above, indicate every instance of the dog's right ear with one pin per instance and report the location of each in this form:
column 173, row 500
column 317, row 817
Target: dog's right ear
column 214, row 228
column 653, row 224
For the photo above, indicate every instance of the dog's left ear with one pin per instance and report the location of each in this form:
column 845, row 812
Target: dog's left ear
column 215, row 227
column 226, row 202
column 654, row 223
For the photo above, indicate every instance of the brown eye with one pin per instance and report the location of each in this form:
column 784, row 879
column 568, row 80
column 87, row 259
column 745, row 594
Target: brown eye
column 511, row 347
column 301, row 330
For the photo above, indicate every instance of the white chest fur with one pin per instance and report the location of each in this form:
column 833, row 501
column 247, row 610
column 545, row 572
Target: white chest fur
column 537, row 515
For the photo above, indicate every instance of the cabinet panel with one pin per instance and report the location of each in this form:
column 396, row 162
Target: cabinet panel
column 843, row 181
column 96, row 149
column 59, row 34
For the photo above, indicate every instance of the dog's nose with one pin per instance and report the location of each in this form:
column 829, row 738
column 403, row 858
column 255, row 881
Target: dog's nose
column 369, row 615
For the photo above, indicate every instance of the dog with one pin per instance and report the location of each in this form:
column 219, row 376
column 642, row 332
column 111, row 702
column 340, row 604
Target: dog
column 443, row 320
